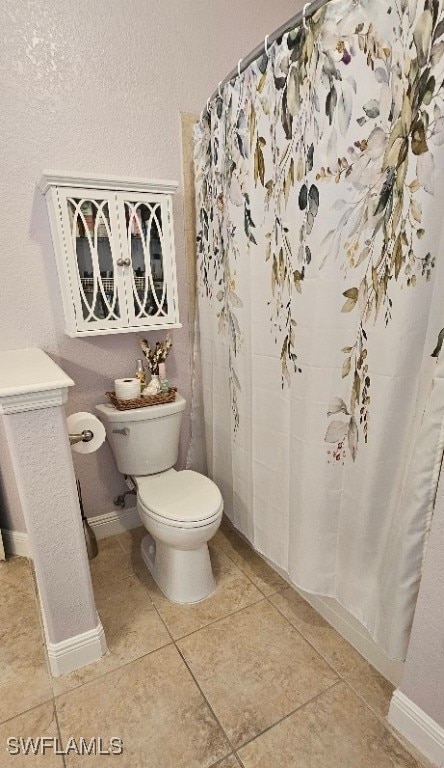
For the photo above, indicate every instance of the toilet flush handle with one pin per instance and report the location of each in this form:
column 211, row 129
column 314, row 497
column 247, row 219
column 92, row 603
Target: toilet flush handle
column 125, row 431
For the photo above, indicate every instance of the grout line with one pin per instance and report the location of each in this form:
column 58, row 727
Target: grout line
column 410, row 748
column 224, row 552
column 56, row 717
column 45, row 652
column 42, row 630
column 343, row 678
column 232, row 754
column 278, row 591
column 192, row 676
column 419, row 757
column 313, row 647
column 25, row 711
column 131, row 661
column 335, row 682
column 123, row 664
column 221, row 618
column 207, row 702
column 108, row 671
column 119, row 542
column 175, row 643
column 289, row 714
column 381, row 718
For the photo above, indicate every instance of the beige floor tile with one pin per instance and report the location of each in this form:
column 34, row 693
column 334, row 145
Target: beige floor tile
column 374, row 689
column 233, row 591
column 24, row 679
column 264, row 577
column 110, row 566
column 130, row 540
column 254, row 669
column 336, row 730
column 39, row 721
column 15, row 570
column 132, row 629
column 329, row 643
column 152, row 704
column 228, row 762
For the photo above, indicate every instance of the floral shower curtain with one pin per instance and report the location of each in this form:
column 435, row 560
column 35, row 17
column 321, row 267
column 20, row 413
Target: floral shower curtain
column 319, row 217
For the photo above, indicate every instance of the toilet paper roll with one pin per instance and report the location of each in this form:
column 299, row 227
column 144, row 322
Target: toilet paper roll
column 125, row 389
column 77, row 422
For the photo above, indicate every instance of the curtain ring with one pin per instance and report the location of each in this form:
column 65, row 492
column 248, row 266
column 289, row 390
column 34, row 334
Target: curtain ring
column 266, row 44
column 208, row 106
column 304, row 15
column 239, row 66
column 218, row 89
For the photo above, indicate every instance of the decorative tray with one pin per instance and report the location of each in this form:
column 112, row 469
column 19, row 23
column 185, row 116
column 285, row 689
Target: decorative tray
column 143, row 400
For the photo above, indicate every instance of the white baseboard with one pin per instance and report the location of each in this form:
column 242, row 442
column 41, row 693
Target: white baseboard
column 417, row 727
column 115, row 522
column 77, row 651
column 16, row 543
column 353, row 631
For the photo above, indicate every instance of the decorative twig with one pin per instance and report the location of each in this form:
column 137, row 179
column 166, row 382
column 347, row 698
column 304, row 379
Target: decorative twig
column 157, row 355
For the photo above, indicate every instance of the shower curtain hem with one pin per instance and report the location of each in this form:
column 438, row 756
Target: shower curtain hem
column 291, row 583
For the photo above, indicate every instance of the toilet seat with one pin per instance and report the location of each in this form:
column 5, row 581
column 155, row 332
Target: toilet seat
column 184, row 499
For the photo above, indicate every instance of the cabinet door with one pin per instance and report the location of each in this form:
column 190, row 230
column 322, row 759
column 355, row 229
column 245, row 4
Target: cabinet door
column 148, row 247
column 95, row 264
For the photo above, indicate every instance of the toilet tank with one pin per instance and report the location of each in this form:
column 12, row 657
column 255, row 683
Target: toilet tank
column 144, row 441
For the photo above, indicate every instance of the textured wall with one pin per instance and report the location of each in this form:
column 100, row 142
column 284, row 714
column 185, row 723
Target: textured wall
column 423, row 679
column 46, row 485
column 189, row 210
column 11, row 514
column 99, row 87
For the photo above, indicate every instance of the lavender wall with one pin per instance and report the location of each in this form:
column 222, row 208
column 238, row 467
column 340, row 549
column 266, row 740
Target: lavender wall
column 99, row 87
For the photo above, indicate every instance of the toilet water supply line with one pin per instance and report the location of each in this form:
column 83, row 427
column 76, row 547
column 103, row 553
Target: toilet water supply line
column 300, row 19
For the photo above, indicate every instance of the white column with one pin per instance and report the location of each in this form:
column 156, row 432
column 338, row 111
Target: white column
column 33, row 390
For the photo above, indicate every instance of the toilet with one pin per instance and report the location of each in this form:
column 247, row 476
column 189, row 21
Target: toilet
column 181, row 510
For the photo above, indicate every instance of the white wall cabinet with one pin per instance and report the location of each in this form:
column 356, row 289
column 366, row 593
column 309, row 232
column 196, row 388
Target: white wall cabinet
column 114, row 245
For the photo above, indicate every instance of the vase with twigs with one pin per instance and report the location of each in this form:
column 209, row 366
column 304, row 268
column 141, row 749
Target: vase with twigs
column 155, row 360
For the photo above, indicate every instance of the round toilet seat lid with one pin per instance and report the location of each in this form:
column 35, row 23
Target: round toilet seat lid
column 182, row 497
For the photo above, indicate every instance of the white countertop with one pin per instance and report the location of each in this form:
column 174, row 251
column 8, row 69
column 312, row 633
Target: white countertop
column 23, row 371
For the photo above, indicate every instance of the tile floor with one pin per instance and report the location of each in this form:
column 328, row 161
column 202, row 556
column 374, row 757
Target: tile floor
column 250, row 677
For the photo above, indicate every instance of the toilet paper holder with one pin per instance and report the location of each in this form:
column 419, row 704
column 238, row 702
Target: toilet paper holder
column 81, row 437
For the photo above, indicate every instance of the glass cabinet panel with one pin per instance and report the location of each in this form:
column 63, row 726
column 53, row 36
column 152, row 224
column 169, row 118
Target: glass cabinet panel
column 149, row 253
column 144, row 240
column 92, row 245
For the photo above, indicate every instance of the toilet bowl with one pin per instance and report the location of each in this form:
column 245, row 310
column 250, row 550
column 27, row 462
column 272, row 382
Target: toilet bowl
column 181, row 510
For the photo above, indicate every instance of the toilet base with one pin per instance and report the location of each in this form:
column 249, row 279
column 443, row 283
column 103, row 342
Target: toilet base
column 184, row 576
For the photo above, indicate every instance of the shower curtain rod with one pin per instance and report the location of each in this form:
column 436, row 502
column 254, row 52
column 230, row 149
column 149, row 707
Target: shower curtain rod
column 260, row 49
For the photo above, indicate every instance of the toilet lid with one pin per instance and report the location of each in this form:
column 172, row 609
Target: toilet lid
column 182, row 497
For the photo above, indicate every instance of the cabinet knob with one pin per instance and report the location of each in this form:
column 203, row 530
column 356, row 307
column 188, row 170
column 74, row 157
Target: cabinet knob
column 123, row 262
